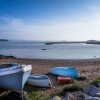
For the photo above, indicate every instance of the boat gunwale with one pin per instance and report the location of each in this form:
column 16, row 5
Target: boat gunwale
column 15, row 69
column 38, row 77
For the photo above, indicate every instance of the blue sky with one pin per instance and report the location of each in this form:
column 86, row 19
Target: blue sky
column 50, row 19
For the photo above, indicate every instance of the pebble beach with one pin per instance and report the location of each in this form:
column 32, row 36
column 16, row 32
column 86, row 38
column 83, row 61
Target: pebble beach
column 90, row 68
column 87, row 67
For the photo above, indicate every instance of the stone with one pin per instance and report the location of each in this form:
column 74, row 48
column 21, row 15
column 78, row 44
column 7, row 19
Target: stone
column 99, row 84
column 93, row 98
column 80, row 95
column 97, row 94
column 91, row 90
column 69, row 96
column 56, row 98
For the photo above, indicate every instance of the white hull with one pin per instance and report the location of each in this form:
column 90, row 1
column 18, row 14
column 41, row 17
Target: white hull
column 39, row 82
column 14, row 78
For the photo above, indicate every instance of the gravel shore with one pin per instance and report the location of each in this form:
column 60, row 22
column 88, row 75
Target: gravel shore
column 90, row 68
column 86, row 67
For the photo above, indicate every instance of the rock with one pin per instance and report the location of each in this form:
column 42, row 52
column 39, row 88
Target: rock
column 69, row 96
column 86, row 89
column 99, row 84
column 80, row 96
column 97, row 94
column 56, row 98
column 93, row 98
column 91, row 90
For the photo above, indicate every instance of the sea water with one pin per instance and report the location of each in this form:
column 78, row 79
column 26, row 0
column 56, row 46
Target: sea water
column 38, row 50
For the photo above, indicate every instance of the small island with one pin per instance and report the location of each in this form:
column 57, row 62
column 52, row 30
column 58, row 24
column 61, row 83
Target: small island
column 7, row 56
column 93, row 42
column 3, row 40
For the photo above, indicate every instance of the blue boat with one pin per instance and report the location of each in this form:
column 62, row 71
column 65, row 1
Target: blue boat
column 64, row 71
column 14, row 76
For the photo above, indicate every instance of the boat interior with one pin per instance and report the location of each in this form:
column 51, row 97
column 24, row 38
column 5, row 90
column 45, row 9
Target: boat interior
column 7, row 65
column 38, row 77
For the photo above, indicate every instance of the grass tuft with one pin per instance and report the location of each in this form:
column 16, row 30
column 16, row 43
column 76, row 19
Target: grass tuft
column 95, row 81
column 81, row 78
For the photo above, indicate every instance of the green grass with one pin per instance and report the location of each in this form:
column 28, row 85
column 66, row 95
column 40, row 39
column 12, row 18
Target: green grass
column 36, row 94
column 68, row 88
column 95, row 81
column 73, row 88
column 81, row 78
column 33, row 93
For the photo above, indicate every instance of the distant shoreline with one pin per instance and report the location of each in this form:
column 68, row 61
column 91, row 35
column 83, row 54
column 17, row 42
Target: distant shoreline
column 3, row 40
column 69, row 42
column 2, row 56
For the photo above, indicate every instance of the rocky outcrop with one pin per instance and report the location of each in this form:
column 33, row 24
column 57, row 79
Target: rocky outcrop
column 91, row 90
column 99, row 84
column 89, row 93
column 93, row 98
column 69, row 96
column 79, row 96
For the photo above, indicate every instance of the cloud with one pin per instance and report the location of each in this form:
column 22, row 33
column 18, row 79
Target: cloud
column 82, row 27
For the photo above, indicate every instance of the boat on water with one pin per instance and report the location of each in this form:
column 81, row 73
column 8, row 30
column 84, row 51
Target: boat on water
column 43, row 49
column 64, row 71
column 39, row 80
column 14, row 76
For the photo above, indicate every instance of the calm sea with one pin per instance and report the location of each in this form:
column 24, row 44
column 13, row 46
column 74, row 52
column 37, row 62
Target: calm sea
column 31, row 49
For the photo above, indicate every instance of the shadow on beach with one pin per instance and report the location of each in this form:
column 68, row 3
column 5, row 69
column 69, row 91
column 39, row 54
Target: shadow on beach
column 12, row 96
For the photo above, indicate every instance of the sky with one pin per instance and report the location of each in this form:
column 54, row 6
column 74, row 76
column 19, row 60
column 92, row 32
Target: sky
column 53, row 20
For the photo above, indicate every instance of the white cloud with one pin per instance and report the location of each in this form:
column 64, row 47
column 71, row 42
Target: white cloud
column 80, row 28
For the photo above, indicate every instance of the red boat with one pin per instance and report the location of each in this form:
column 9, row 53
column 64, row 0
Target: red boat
column 64, row 79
